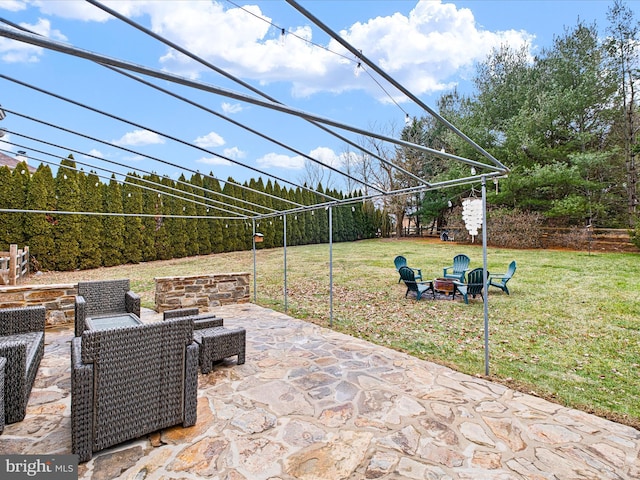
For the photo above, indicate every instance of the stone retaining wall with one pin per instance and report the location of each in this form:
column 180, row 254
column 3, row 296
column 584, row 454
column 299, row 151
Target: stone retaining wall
column 171, row 292
column 201, row 291
column 59, row 300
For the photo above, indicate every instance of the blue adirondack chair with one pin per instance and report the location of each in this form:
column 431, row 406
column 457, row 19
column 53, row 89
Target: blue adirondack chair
column 500, row 280
column 409, row 278
column 459, row 268
column 473, row 287
column 400, row 262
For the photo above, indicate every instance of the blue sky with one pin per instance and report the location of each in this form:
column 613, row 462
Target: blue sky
column 429, row 46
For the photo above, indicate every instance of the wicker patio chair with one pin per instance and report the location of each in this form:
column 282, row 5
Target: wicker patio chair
column 104, row 297
column 130, row 381
column 22, row 345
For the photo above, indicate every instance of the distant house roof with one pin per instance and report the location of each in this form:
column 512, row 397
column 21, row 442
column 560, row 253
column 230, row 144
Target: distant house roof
column 12, row 162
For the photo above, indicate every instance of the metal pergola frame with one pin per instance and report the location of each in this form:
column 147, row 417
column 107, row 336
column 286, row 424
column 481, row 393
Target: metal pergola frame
column 488, row 168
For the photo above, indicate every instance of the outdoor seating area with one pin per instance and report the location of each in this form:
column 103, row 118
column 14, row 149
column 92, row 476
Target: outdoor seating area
column 129, row 378
column 315, row 400
column 457, row 278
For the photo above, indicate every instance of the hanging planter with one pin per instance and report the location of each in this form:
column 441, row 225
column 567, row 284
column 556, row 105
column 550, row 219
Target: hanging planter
column 472, row 215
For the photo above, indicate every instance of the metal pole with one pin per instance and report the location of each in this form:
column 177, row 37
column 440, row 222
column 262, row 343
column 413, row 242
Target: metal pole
column 253, row 240
column 485, row 275
column 286, row 298
column 331, row 267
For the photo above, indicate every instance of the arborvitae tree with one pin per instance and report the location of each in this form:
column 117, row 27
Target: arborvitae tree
column 66, row 232
column 323, row 222
column 295, row 222
column 176, row 227
column 113, row 225
column 204, row 234
column 133, row 230
column 309, row 233
column 191, row 224
column 162, row 239
column 149, row 200
column 359, row 219
column 39, row 226
column 19, row 185
column 233, row 230
column 91, row 225
column 267, row 227
column 150, row 206
column 212, row 188
column 278, row 222
column 5, row 202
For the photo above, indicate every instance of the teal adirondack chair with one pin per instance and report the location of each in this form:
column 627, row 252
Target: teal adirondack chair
column 459, row 268
column 500, row 280
column 473, row 287
column 407, row 274
column 400, row 262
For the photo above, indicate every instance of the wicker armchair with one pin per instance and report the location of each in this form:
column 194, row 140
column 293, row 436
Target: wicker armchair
column 130, row 381
column 104, row 298
column 22, row 345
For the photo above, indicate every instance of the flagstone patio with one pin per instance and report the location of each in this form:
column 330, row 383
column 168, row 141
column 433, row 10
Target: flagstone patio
column 310, row 403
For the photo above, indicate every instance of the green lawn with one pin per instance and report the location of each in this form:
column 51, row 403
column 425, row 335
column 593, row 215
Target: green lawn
column 569, row 331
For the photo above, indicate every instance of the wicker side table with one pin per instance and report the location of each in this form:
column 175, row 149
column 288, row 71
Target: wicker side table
column 218, row 343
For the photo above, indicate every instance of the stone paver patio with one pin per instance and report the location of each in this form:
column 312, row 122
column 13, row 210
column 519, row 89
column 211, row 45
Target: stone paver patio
column 310, row 403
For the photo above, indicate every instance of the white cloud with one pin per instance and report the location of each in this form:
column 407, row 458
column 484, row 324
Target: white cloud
column 13, row 5
column 72, row 10
column 326, row 156
column 231, row 107
column 211, row 139
column 139, row 137
column 213, row 161
column 276, row 160
column 12, row 51
column 96, row 153
column 234, row 152
column 425, row 50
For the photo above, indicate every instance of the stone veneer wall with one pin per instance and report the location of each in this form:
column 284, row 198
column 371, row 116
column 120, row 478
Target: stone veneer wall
column 201, row 291
column 171, row 292
column 59, row 300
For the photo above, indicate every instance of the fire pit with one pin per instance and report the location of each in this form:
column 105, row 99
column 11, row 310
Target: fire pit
column 443, row 285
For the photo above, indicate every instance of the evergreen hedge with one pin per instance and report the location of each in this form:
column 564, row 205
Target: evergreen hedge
column 75, row 241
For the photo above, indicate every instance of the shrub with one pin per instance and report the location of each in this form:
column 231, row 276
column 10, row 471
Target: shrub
column 505, row 228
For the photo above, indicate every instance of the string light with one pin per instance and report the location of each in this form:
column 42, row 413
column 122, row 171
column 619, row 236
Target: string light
column 357, row 69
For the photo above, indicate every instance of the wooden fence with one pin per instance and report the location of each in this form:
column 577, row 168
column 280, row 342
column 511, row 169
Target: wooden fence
column 14, row 265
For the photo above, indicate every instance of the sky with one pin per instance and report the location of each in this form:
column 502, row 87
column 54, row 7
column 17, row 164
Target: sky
column 430, row 47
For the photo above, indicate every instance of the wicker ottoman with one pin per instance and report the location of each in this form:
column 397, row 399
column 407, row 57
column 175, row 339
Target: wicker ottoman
column 3, row 362
column 218, row 343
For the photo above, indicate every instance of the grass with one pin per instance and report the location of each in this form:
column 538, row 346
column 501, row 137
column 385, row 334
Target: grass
column 569, row 331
